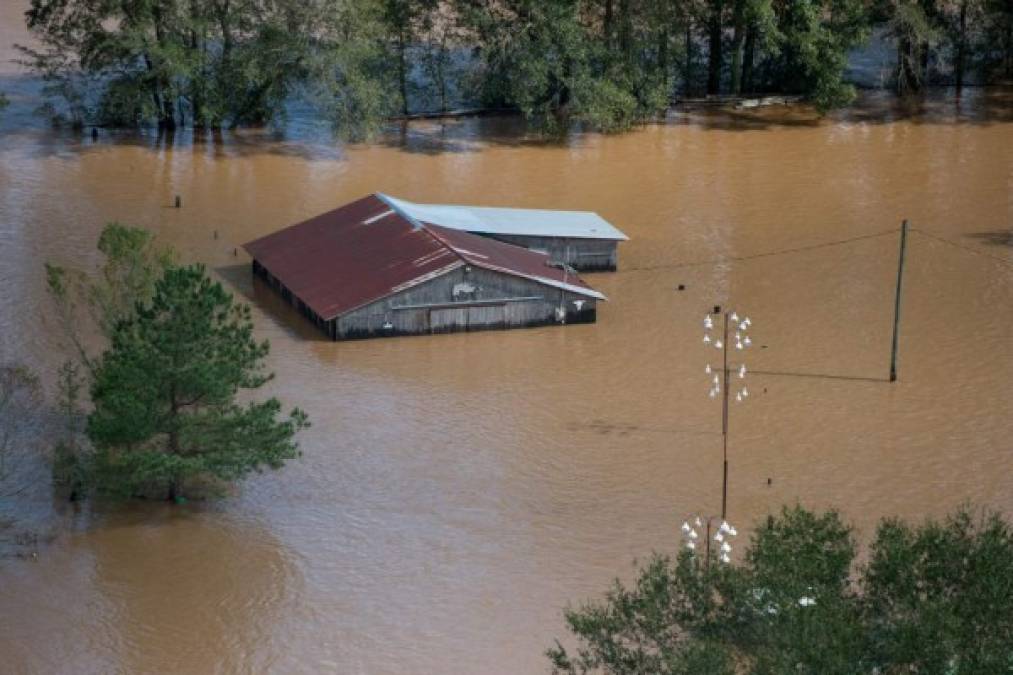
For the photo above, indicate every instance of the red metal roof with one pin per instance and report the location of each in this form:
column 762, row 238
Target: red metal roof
column 367, row 250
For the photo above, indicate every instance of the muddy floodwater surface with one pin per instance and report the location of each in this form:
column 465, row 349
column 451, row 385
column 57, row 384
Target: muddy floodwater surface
column 457, row 491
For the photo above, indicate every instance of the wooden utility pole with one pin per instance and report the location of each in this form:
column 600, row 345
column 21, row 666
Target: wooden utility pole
column 724, row 421
column 896, row 305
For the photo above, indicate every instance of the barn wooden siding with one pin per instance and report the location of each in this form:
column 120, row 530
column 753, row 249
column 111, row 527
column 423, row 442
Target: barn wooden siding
column 583, row 254
column 497, row 301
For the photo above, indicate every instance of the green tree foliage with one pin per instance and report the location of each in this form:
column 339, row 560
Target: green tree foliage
column 914, row 26
column 935, row 598
column 219, row 61
column 164, row 394
column 96, row 301
column 565, row 60
column 22, row 462
column 604, row 64
column 70, row 457
column 352, row 72
column 958, row 21
column 939, row 598
column 944, row 40
column 812, row 41
column 994, row 45
column 442, row 37
column 88, row 305
column 404, row 21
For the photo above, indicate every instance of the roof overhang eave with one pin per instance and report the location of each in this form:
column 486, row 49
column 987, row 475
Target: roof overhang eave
column 580, row 290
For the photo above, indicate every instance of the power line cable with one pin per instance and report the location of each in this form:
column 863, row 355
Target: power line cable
column 1003, row 261
column 798, row 249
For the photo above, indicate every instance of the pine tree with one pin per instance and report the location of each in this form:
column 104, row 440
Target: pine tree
column 164, row 394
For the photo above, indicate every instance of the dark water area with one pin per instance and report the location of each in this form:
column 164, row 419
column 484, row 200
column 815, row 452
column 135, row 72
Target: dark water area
column 457, row 491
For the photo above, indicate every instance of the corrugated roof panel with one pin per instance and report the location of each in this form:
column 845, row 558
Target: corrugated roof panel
column 364, row 251
column 504, row 221
column 351, row 256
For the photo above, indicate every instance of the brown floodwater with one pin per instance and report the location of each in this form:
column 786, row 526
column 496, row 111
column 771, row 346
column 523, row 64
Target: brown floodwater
column 457, row 491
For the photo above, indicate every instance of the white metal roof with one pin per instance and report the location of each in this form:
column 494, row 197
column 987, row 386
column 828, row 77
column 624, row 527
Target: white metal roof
column 526, row 222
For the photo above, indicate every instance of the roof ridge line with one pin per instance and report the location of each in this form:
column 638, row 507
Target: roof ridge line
column 390, row 201
column 418, row 224
column 443, row 242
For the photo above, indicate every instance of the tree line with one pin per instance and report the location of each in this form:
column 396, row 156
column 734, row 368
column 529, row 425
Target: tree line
column 605, row 63
column 935, row 597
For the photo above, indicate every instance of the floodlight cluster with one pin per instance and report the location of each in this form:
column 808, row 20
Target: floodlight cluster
column 691, row 537
column 742, row 341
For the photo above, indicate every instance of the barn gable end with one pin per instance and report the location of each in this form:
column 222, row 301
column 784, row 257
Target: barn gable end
column 366, row 270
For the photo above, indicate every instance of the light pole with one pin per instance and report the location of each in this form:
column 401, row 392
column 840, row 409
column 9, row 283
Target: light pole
column 723, row 536
column 720, row 383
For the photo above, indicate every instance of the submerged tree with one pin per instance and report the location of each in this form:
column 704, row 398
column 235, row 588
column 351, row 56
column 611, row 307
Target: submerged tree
column 958, row 20
column 608, row 66
column 164, row 394
column 933, row 598
column 71, row 457
column 95, row 301
column 88, row 305
column 532, row 55
column 22, row 462
column 352, row 72
column 814, row 38
column 405, row 20
column 914, row 27
column 123, row 63
column 20, row 396
column 995, row 45
column 180, row 351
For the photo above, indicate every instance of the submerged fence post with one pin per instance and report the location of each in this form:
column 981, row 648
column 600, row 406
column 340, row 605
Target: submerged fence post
column 896, row 305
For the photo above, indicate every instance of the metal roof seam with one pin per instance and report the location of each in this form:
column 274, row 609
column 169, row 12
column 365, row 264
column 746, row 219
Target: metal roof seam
column 394, row 204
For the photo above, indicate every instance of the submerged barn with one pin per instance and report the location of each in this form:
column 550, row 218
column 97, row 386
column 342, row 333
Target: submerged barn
column 581, row 239
column 369, row 269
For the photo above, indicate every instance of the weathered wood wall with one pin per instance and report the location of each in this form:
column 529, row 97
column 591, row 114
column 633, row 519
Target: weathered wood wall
column 465, row 299
column 587, row 255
